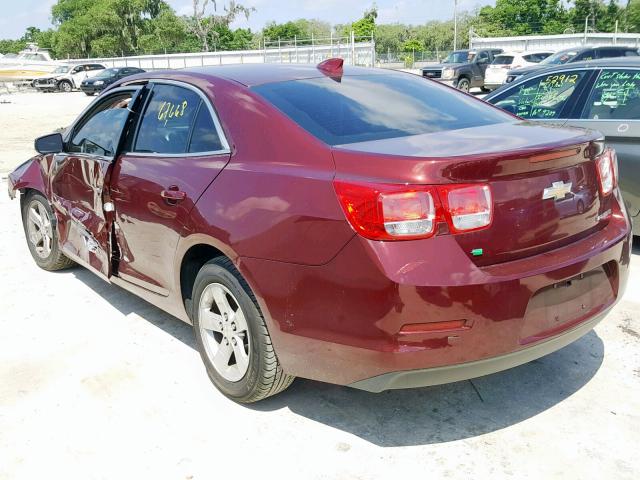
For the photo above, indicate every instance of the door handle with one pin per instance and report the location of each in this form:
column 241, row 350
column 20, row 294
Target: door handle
column 172, row 194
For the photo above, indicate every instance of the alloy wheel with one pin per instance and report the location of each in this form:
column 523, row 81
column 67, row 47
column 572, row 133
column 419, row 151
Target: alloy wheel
column 39, row 229
column 224, row 332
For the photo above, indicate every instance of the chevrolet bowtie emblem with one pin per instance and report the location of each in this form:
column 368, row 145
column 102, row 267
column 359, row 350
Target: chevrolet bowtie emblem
column 557, row 191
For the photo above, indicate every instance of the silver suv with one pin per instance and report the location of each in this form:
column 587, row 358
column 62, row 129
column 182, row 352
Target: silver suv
column 68, row 77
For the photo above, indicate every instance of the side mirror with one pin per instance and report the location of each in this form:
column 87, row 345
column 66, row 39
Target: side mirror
column 51, row 143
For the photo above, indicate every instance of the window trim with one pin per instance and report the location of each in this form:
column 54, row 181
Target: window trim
column 580, row 112
column 216, row 122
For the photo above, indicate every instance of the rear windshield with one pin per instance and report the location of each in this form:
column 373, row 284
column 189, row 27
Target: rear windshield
column 503, row 60
column 374, row 107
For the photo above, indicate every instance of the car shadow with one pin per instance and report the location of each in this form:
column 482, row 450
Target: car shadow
column 415, row 416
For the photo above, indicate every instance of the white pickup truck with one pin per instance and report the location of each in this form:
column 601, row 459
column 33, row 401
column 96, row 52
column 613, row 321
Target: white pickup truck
column 67, row 77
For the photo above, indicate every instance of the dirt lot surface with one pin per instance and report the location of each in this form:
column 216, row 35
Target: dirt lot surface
column 25, row 116
column 98, row 384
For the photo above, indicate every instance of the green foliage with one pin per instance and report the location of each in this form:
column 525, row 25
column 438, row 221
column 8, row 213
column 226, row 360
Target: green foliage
column 363, row 28
column 413, row 45
column 523, row 17
column 282, row 31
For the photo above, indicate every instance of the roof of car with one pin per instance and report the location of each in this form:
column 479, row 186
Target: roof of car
column 258, row 74
column 633, row 62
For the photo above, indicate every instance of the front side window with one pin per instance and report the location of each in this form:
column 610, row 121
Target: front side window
column 615, row 96
column 167, row 120
column 361, row 108
column 541, row 97
column 100, row 133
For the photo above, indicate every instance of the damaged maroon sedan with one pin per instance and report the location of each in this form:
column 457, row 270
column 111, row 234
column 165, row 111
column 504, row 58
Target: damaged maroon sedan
column 355, row 226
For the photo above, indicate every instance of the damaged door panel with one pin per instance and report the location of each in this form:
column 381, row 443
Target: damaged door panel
column 79, row 176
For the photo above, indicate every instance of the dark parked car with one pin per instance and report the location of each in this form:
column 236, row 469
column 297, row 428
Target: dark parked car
column 106, row 77
column 363, row 227
column 462, row 69
column 602, row 95
column 572, row 55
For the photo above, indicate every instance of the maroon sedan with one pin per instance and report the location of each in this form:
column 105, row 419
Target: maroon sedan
column 362, row 227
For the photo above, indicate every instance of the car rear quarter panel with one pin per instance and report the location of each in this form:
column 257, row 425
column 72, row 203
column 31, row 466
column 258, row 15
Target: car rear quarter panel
column 275, row 199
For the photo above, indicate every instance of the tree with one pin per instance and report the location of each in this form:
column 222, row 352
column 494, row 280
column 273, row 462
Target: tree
column 282, row 31
column 363, row 28
column 632, row 14
column 524, row 17
column 204, row 25
column 413, row 45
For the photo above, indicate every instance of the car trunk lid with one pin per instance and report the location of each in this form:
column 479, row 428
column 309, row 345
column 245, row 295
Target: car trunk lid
column 543, row 180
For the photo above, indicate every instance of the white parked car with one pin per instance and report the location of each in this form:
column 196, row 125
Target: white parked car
column 67, row 78
column 496, row 73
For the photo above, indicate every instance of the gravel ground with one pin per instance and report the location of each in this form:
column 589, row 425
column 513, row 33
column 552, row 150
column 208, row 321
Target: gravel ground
column 25, row 116
column 98, row 384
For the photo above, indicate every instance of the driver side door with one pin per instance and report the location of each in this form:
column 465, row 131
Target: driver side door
column 78, row 175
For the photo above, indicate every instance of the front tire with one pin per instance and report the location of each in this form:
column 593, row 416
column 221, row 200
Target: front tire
column 65, row 86
column 464, row 84
column 41, row 233
column 232, row 336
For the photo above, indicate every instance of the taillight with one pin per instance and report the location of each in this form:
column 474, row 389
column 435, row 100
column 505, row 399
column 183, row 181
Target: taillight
column 388, row 212
column 607, row 166
column 407, row 212
column 469, row 207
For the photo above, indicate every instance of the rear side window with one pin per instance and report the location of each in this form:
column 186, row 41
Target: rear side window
column 503, row 60
column 630, row 53
column 204, row 137
column 536, row 57
column 611, row 53
column 542, row 97
column 615, row 96
column 373, row 107
column 167, row 120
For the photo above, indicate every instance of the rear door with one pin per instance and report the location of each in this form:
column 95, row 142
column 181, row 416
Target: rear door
column 178, row 150
column 78, row 179
column 612, row 107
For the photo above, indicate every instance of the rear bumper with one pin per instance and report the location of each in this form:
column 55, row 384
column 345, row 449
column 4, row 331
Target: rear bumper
column 487, row 366
column 342, row 322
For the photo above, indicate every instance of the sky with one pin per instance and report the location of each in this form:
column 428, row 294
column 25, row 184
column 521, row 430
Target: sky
column 20, row 14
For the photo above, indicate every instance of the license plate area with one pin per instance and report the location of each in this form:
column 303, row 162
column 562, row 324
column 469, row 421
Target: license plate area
column 564, row 304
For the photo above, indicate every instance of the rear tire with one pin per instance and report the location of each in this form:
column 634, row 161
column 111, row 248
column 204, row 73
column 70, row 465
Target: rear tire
column 232, row 336
column 41, row 233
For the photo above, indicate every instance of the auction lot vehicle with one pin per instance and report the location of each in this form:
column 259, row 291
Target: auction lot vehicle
column 602, row 95
column 333, row 223
column 106, row 77
column 496, row 73
column 66, row 78
column 571, row 55
column 463, row 69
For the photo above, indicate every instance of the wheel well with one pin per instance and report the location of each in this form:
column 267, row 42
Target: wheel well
column 192, row 262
